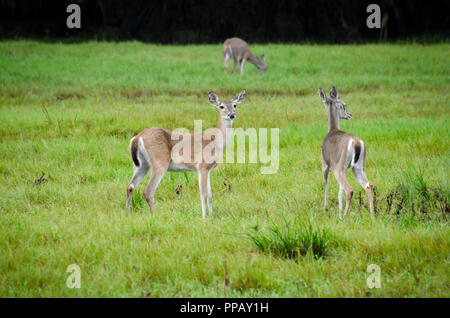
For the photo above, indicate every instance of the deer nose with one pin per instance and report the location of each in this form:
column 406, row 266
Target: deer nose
column 232, row 116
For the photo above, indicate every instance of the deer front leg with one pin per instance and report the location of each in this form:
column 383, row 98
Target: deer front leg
column 203, row 186
column 209, row 195
column 341, row 197
column 325, row 171
column 344, row 186
column 349, row 194
column 242, row 65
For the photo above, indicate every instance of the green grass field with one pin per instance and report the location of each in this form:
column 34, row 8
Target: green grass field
column 69, row 111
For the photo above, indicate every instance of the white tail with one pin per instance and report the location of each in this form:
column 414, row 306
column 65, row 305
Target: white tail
column 162, row 150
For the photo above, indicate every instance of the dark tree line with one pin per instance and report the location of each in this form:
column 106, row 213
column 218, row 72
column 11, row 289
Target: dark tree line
column 188, row 21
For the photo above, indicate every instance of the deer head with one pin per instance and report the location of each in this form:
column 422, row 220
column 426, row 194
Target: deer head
column 262, row 66
column 227, row 107
column 335, row 103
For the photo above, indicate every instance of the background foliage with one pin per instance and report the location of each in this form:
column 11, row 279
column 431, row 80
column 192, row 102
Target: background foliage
column 187, row 21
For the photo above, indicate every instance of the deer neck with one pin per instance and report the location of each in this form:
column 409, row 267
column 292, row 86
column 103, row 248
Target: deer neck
column 225, row 128
column 255, row 60
column 333, row 118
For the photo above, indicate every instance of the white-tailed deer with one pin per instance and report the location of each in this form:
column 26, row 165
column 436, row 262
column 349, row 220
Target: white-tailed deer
column 341, row 151
column 158, row 149
column 237, row 49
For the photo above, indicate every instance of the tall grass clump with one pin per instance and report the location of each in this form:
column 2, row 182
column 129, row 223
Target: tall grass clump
column 291, row 240
column 414, row 196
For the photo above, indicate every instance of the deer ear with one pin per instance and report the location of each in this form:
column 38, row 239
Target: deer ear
column 322, row 95
column 239, row 97
column 214, row 99
column 334, row 93
column 263, row 58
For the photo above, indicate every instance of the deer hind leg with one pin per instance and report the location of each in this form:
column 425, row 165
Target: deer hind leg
column 344, row 186
column 366, row 185
column 242, row 65
column 226, row 60
column 155, row 179
column 236, row 61
column 139, row 173
column 326, row 174
column 225, row 63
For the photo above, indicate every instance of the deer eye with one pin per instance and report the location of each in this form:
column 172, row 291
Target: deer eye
column 221, row 107
column 234, row 106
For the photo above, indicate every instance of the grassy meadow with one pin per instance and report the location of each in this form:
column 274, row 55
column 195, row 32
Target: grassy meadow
column 68, row 112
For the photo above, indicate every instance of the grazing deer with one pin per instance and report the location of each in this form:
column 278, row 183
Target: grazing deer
column 237, row 49
column 341, row 151
column 154, row 148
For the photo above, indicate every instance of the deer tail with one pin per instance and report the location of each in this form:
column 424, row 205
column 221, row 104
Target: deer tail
column 133, row 150
column 358, row 148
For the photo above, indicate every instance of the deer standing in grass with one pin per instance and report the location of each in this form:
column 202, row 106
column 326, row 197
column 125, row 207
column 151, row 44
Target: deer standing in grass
column 154, row 148
column 341, row 151
column 237, row 49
